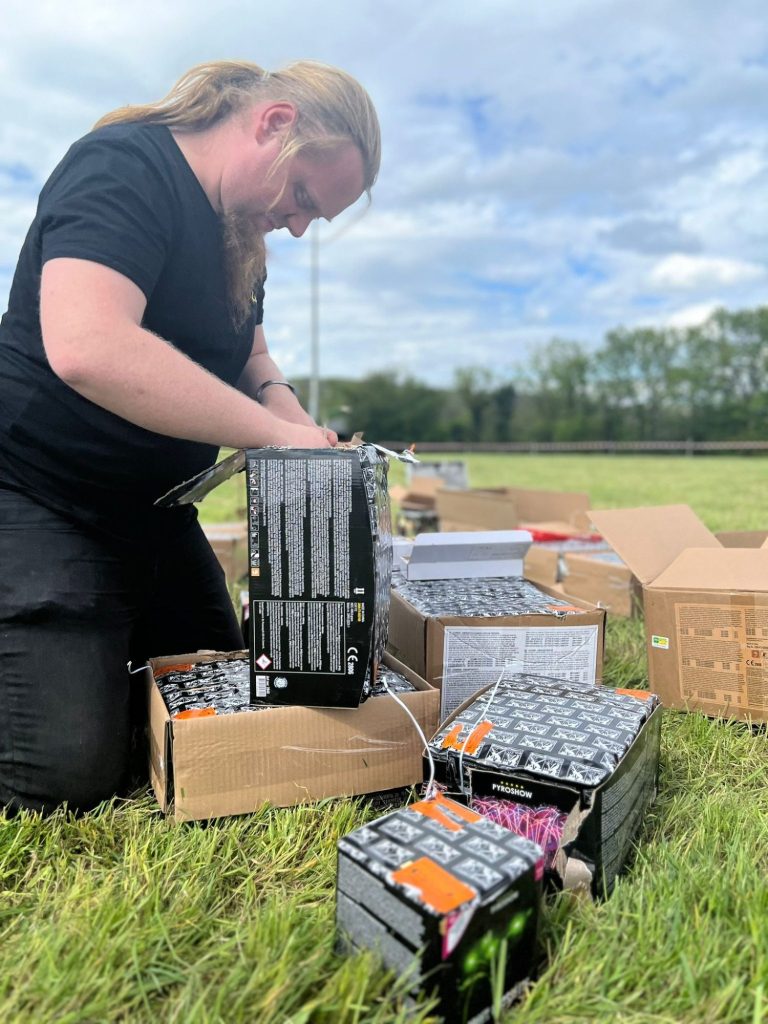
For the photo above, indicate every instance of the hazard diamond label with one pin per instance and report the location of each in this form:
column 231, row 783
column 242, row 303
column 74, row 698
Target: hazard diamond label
column 263, row 662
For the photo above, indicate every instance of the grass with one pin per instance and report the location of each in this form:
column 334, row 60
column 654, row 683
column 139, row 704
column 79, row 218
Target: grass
column 123, row 916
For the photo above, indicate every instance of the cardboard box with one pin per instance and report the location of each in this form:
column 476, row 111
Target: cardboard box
column 545, row 562
column 446, row 897
column 705, row 606
column 451, row 473
column 320, row 564
column 604, row 579
column 446, row 556
column 230, row 545
column 462, row 653
column 540, row 742
column 509, row 508
column 418, row 495
column 561, row 514
column 742, row 538
column 232, row 764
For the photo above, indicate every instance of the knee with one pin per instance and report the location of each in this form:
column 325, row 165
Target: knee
column 78, row 771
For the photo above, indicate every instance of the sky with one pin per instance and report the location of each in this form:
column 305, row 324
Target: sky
column 549, row 171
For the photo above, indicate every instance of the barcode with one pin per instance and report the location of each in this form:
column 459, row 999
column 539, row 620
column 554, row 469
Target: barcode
column 262, row 685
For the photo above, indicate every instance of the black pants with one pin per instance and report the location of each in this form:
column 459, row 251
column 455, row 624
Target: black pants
column 74, row 609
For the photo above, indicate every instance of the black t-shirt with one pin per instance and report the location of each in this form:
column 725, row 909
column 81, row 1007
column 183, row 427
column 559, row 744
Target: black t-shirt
column 123, row 196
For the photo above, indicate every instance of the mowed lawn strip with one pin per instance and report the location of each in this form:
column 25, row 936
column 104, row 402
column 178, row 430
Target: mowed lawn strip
column 123, row 916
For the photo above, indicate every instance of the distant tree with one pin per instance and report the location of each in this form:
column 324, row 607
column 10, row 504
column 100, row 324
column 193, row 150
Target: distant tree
column 560, row 385
column 704, row 382
column 387, row 407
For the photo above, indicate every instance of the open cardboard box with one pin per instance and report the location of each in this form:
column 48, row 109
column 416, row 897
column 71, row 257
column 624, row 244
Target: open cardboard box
column 562, row 513
column 319, row 567
column 232, row 764
column 508, row 508
column 460, row 654
column 602, row 578
column 706, row 610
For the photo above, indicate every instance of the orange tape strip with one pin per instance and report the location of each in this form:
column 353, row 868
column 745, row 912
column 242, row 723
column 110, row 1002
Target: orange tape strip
column 436, row 807
column 171, row 668
column 474, row 740
column 196, row 713
column 437, row 887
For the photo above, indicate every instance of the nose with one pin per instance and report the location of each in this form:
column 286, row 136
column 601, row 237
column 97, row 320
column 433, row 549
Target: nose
column 298, row 223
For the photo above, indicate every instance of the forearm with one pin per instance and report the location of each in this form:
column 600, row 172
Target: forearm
column 279, row 400
column 159, row 388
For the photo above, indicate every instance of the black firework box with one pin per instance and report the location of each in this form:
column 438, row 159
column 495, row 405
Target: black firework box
column 320, row 564
column 448, row 899
column 584, row 760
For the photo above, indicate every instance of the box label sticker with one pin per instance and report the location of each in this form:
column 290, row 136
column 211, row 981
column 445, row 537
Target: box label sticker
column 662, row 642
column 475, row 657
column 723, row 656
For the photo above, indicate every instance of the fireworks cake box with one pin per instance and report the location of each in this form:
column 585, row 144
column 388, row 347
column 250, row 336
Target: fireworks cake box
column 319, row 562
column 458, row 633
column 448, row 899
column 213, row 752
column 590, row 752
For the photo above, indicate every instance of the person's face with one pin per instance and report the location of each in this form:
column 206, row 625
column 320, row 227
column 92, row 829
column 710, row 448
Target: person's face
column 271, row 195
column 312, row 187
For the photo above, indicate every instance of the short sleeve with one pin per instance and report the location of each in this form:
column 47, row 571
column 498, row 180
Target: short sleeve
column 109, row 203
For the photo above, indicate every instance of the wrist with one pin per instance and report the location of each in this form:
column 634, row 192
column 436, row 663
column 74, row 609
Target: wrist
column 262, row 388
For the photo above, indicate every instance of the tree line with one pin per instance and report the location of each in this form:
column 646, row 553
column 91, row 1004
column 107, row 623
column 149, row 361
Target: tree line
column 701, row 383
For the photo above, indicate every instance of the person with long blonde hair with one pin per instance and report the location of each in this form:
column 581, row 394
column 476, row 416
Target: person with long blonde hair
column 132, row 349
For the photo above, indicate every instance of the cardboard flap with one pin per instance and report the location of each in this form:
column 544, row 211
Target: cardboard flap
column 649, row 539
column 477, row 509
column 721, row 569
column 441, row 556
column 202, row 484
column 568, row 507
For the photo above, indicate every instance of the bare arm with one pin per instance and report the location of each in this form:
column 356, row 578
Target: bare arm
column 280, row 401
column 91, row 323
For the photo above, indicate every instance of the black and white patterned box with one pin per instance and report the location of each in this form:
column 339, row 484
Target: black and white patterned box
column 438, row 885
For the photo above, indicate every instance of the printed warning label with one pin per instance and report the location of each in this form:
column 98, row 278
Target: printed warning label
column 723, row 656
column 475, row 657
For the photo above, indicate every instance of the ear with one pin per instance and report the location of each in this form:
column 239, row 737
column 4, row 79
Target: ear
column 273, row 119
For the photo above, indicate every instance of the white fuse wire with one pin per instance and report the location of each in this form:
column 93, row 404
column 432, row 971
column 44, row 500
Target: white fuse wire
column 431, row 783
column 470, row 731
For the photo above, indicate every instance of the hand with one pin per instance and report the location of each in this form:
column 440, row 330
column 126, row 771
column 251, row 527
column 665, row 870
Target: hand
column 298, row 435
column 283, row 403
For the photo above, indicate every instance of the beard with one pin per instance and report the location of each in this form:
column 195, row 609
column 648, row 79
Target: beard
column 245, row 259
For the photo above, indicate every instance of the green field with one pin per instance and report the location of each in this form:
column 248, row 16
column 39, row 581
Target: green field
column 123, row 916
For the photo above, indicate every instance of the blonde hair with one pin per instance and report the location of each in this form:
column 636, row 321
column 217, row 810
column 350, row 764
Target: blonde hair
column 332, row 107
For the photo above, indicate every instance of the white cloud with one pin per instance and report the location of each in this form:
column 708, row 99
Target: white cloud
column 684, row 272
column 551, row 169
column 692, row 316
